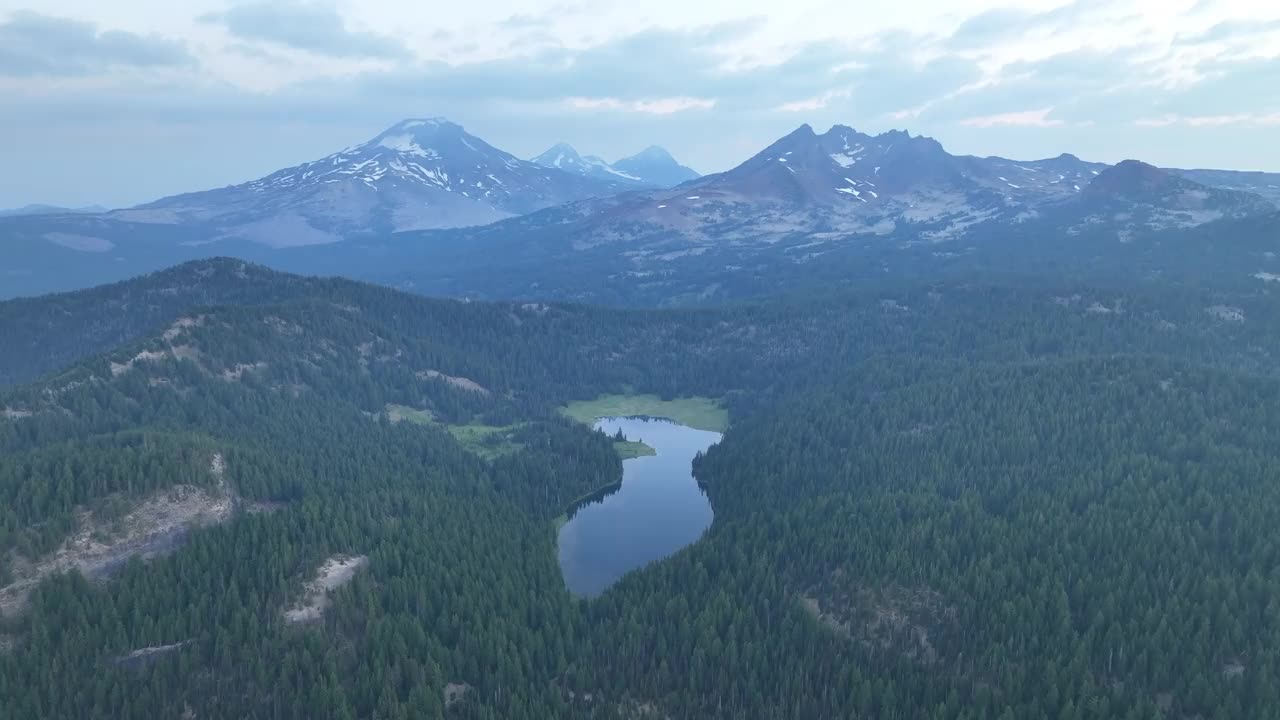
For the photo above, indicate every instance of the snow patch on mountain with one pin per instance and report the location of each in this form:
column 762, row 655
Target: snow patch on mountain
column 405, row 144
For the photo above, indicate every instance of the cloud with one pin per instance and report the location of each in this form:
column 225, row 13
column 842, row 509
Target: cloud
column 1212, row 121
column 306, row 26
column 1226, row 87
column 815, row 103
column 522, row 21
column 32, row 44
column 998, row 25
column 1082, row 85
column 637, row 68
column 993, row 25
column 675, row 87
column 1230, row 31
column 880, row 83
column 651, row 72
column 258, row 53
column 1025, row 118
column 660, row 106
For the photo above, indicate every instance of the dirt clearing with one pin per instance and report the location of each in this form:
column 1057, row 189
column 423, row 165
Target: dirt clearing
column 333, row 574
column 153, row 527
column 459, row 382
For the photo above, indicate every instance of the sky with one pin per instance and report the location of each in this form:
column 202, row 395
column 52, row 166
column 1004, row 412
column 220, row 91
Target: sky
column 117, row 103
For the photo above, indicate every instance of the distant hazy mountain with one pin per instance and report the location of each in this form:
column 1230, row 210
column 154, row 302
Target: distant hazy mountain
column 1265, row 185
column 51, row 210
column 652, row 167
column 656, row 166
column 416, row 175
column 562, row 156
column 1153, row 198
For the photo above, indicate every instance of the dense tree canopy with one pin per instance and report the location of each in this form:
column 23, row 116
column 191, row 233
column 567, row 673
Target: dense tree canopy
column 940, row 502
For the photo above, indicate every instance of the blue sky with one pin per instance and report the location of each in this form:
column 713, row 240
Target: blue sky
column 122, row 102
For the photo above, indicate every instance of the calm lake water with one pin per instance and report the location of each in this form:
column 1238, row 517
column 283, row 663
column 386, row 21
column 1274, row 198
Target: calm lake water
column 658, row 510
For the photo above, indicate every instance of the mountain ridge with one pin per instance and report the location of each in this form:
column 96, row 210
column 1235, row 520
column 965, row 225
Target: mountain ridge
column 652, row 167
column 563, row 156
column 391, row 208
column 42, row 209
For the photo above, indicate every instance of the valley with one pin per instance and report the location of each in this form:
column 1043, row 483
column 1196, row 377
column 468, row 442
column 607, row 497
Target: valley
column 902, row 462
column 655, row 510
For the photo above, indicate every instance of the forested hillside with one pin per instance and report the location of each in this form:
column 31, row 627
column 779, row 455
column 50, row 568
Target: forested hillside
column 1080, row 539
column 1001, row 321
column 262, row 496
column 47, row 333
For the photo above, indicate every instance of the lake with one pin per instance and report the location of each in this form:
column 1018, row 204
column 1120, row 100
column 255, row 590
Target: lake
column 657, row 510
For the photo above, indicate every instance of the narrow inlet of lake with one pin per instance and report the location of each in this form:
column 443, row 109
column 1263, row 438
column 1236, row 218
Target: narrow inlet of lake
column 657, row 510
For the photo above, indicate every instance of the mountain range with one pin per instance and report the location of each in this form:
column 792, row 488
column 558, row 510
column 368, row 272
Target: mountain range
column 429, row 207
column 845, row 183
column 651, row 167
column 38, row 209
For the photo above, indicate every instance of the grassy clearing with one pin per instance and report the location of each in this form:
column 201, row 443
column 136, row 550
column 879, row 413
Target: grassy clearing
column 696, row 412
column 487, row 441
column 628, row 449
column 396, row 413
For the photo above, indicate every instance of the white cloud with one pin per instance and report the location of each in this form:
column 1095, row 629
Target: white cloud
column 816, row 103
column 1212, row 121
column 659, row 106
column 1026, row 118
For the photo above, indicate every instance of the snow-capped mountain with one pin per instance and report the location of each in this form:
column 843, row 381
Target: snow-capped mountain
column 562, row 156
column 656, row 166
column 844, row 184
column 651, row 168
column 839, row 183
column 844, row 165
column 418, row 174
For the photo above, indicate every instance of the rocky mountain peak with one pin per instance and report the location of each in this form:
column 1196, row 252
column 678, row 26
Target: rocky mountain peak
column 653, row 153
column 561, row 155
column 1134, row 179
column 655, row 166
